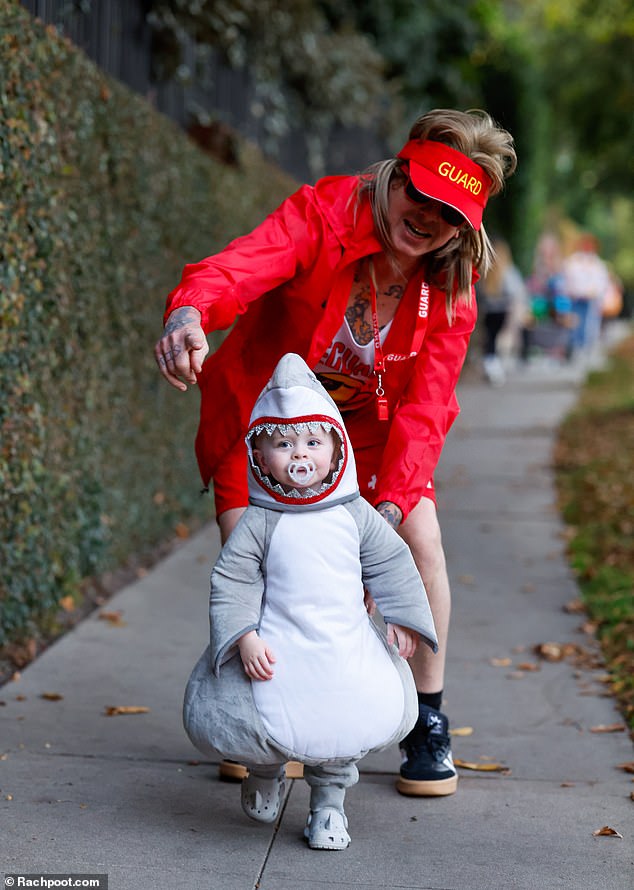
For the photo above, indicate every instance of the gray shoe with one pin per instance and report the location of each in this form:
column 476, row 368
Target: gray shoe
column 261, row 798
column 326, row 829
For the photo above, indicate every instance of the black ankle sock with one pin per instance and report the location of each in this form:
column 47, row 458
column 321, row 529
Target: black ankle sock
column 431, row 699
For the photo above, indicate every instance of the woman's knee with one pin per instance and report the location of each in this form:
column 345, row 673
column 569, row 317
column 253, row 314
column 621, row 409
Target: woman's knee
column 421, row 532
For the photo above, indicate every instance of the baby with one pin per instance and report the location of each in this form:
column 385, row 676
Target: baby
column 296, row 669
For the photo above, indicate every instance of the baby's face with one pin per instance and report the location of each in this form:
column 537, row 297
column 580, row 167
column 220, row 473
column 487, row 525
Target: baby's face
column 296, row 460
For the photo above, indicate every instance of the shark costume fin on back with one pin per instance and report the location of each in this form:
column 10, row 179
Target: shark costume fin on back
column 294, row 398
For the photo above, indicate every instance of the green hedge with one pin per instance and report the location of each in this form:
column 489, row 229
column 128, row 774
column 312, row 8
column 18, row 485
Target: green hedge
column 102, row 201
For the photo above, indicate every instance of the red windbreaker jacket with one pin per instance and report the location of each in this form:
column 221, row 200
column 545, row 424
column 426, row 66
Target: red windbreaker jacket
column 287, row 283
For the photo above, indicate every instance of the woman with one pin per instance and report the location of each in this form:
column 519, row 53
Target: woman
column 370, row 279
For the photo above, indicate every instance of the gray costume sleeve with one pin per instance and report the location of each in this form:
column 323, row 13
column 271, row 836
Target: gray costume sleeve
column 237, row 585
column 390, row 574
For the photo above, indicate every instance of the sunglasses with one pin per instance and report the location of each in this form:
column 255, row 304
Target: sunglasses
column 450, row 215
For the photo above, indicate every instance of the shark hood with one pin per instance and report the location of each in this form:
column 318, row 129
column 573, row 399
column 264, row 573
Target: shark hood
column 295, row 400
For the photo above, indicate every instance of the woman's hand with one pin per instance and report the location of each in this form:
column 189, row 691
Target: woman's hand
column 182, row 348
column 256, row 656
column 407, row 640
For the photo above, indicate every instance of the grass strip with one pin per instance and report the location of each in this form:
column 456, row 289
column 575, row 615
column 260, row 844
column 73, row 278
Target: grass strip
column 594, row 467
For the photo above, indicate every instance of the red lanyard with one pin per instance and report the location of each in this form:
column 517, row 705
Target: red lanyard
column 422, row 319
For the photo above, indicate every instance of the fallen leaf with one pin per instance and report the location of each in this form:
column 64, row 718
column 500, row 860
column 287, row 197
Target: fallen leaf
column 181, row 530
column 51, row 696
column 4, row 756
column 574, row 607
column 500, row 662
column 482, row 767
column 15, row 676
column 628, row 767
column 462, row 730
column 516, row 675
column 612, row 727
column 606, row 831
column 550, row 651
column 67, row 603
column 589, row 627
column 114, row 710
column 529, row 666
column 113, row 618
column 9, row 797
column 567, row 785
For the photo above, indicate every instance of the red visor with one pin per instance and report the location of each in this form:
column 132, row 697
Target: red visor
column 442, row 173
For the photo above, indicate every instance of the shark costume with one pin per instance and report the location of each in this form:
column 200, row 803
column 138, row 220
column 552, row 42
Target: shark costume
column 294, row 570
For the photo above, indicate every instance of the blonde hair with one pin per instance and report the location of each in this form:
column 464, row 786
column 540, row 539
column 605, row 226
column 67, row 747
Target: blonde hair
column 476, row 135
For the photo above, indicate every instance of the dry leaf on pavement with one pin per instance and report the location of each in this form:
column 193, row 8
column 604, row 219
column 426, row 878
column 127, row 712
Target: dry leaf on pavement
column 462, row 730
column 482, row 767
column 114, row 710
column 528, row 666
column 52, row 696
column 606, row 831
column 113, row 618
column 612, row 727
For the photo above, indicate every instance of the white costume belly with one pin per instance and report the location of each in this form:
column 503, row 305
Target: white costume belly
column 335, row 692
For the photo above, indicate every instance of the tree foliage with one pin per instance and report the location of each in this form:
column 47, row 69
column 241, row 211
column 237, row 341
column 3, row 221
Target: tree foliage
column 305, row 74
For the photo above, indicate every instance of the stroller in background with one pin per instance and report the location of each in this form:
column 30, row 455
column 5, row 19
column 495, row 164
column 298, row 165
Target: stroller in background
column 548, row 330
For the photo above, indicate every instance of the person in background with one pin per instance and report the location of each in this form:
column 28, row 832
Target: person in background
column 503, row 299
column 370, row 279
column 587, row 283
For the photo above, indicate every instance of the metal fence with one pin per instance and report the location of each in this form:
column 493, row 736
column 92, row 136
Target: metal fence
column 116, row 36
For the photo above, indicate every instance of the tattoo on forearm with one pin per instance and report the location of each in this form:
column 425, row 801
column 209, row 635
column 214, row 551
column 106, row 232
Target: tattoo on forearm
column 390, row 512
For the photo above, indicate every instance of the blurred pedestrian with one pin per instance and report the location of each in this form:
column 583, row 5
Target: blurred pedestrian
column 503, row 300
column 586, row 283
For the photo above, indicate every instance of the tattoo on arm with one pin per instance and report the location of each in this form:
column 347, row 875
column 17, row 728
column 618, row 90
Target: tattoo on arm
column 181, row 317
column 390, row 512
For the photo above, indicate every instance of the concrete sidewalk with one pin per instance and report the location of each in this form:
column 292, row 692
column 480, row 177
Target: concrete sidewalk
column 82, row 792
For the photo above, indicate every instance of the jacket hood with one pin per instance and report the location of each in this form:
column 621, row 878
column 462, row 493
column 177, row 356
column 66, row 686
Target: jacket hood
column 294, row 399
column 352, row 222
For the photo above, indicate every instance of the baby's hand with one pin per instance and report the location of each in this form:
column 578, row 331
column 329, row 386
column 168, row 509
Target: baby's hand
column 256, row 656
column 407, row 640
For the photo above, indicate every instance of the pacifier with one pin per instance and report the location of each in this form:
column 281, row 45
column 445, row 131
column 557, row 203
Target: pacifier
column 301, row 472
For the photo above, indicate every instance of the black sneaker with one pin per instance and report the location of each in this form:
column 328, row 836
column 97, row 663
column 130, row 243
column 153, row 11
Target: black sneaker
column 427, row 769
